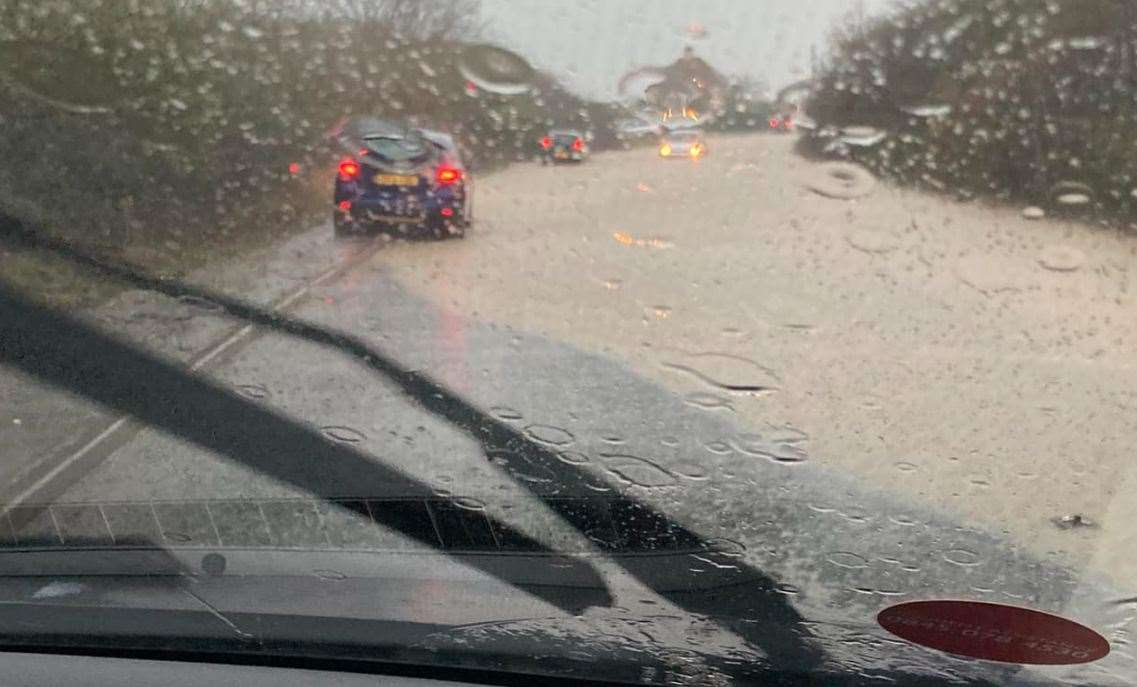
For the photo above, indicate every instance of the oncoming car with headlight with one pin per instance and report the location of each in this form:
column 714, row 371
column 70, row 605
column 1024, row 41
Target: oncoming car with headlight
column 688, row 143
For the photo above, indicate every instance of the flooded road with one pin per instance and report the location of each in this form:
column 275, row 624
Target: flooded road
column 958, row 354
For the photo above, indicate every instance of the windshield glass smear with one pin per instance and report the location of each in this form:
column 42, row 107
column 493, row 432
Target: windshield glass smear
column 649, row 342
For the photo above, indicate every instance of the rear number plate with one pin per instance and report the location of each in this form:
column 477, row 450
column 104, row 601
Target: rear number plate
column 396, row 179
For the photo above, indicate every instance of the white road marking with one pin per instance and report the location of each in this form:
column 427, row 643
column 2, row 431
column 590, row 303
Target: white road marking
column 221, row 347
column 54, row 472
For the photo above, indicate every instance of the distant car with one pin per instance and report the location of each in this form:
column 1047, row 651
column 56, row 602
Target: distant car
column 395, row 175
column 687, row 143
column 783, row 122
column 564, row 146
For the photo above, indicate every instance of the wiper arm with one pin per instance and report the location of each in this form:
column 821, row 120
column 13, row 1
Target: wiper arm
column 72, row 355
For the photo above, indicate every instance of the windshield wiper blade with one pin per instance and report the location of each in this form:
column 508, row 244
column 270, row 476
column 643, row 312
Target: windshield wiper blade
column 745, row 600
column 72, row 355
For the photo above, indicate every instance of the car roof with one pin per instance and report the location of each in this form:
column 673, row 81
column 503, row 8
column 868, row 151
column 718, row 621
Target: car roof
column 362, row 127
column 564, row 132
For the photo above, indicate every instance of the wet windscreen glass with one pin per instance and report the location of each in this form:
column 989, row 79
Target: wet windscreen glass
column 663, row 343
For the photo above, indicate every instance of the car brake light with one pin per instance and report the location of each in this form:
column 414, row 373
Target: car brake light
column 448, row 175
column 447, row 212
column 578, row 144
column 546, row 143
column 349, row 169
column 773, row 122
column 345, row 205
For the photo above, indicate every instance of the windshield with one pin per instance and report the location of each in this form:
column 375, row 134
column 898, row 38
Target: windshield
column 399, row 332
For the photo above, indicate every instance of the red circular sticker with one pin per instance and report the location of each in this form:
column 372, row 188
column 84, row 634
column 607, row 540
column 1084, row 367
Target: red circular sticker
column 994, row 632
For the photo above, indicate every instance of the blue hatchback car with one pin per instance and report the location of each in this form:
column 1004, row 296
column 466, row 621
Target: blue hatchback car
column 397, row 176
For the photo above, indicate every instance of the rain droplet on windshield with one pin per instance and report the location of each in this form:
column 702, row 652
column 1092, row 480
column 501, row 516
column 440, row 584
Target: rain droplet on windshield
column 638, row 471
column 344, row 434
column 962, row 557
column 505, row 414
column 550, row 435
column 254, row 391
column 847, row 559
column 496, row 70
column 1061, row 258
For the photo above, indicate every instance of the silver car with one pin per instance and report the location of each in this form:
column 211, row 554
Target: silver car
column 688, row 143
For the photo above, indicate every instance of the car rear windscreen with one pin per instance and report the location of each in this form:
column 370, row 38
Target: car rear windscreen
column 396, row 149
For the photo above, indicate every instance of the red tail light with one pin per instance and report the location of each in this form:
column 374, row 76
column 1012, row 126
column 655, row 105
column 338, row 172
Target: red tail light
column 448, row 175
column 578, row 145
column 447, row 212
column 546, row 143
column 773, row 122
column 345, row 205
column 349, row 169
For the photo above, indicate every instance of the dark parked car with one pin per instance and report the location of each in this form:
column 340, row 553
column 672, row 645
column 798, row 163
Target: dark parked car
column 784, row 120
column 393, row 175
column 564, row 146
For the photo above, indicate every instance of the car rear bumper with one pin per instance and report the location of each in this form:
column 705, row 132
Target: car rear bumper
column 409, row 209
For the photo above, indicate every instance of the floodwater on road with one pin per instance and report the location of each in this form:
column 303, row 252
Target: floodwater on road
column 959, row 354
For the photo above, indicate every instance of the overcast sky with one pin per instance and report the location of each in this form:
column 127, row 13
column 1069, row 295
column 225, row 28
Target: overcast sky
column 590, row 43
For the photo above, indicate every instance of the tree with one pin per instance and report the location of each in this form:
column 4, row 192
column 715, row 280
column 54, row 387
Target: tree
column 415, row 20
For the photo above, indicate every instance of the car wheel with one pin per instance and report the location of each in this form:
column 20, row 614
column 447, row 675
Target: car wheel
column 343, row 226
column 442, row 230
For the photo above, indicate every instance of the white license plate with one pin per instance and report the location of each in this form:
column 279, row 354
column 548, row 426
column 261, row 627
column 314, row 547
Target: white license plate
column 396, row 179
